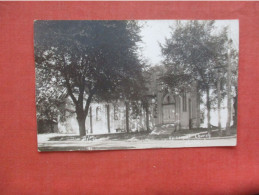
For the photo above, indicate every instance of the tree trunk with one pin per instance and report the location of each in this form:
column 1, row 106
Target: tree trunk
column 235, row 109
column 91, row 121
column 81, row 123
column 127, row 116
column 81, row 111
column 108, row 118
column 147, row 118
column 219, row 103
column 51, row 127
column 198, row 107
column 228, row 96
column 208, row 108
column 190, row 113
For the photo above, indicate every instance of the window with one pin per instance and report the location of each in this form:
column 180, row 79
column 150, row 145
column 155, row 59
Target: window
column 184, row 102
column 98, row 110
column 168, row 99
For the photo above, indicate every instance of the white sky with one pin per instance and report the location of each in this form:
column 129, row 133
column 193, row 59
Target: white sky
column 155, row 31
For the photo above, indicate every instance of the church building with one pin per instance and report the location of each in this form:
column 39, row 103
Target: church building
column 180, row 111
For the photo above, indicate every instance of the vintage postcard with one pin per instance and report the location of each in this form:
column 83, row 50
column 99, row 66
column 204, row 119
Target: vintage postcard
column 135, row 84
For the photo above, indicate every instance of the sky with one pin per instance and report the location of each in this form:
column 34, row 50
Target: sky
column 155, row 32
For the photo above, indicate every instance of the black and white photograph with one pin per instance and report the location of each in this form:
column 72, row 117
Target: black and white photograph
column 136, row 84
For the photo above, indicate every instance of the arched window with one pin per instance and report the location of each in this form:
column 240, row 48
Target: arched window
column 169, row 99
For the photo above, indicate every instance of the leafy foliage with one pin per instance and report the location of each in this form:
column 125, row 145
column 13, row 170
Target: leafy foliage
column 191, row 54
column 49, row 97
column 91, row 59
column 194, row 54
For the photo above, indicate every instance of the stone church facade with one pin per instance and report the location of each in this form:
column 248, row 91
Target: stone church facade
column 164, row 108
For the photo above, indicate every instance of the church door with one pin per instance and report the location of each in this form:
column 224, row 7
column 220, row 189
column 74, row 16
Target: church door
column 169, row 113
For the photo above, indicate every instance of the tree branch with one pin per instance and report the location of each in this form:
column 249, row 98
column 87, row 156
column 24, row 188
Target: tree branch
column 89, row 99
column 70, row 91
column 81, row 90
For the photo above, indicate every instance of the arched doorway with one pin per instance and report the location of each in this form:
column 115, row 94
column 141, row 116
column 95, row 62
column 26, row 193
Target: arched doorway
column 169, row 109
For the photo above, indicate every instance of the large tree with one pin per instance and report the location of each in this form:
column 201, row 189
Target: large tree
column 90, row 59
column 192, row 54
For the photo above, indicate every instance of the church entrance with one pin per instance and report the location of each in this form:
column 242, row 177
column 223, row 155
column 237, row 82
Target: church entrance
column 169, row 109
column 169, row 113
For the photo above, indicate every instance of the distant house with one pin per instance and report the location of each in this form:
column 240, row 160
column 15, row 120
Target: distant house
column 179, row 110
